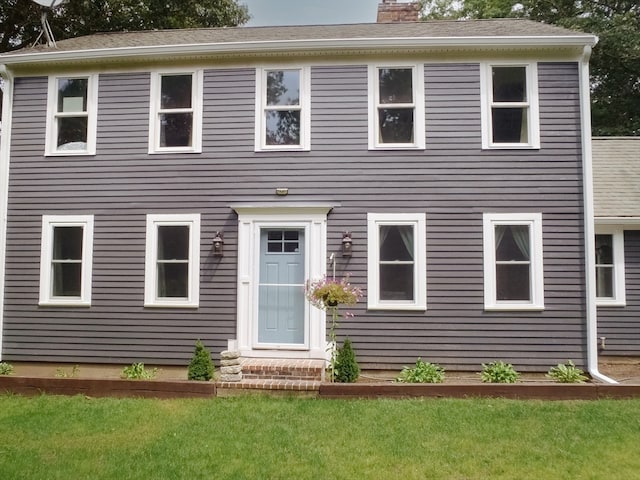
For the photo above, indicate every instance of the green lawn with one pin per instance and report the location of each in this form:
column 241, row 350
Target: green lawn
column 67, row 438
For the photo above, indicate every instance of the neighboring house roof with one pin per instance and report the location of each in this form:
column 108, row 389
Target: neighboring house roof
column 508, row 33
column 616, row 176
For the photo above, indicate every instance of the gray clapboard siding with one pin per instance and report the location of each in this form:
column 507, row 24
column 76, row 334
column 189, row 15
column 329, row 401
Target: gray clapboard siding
column 620, row 324
column 452, row 181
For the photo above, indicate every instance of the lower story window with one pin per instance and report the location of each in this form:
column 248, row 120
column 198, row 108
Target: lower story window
column 396, row 261
column 172, row 260
column 610, row 281
column 65, row 260
column 513, row 261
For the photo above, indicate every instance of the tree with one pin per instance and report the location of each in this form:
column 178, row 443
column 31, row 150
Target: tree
column 615, row 62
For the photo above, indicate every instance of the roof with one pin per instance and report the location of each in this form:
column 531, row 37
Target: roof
column 616, row 176
column 470, row 33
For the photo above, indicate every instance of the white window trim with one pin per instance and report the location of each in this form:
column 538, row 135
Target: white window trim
column 196, row 109
column 150, row 276
column 486, row 94
column 619, row 288
column 534, row 222
column 46, row 257
column 304, row 107
column 51, row 148
column 418, row 221
column 418, row 105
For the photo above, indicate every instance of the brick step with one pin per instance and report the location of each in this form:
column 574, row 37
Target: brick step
column 282, row 369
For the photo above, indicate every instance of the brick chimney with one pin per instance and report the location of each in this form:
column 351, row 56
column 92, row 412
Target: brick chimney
column 390, row 11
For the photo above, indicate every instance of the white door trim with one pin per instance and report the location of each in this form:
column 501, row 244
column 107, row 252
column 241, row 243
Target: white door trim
column 251, row 218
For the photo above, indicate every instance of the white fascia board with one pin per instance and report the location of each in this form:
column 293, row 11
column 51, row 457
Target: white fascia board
column 302, row 45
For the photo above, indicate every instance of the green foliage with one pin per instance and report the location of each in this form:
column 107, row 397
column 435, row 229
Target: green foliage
column 62, row 373
column 201, row 366
column 136, row 371
column 567, row 373
column 6, row 368
column 422, row 372
column 346, row 368
column 499, row 372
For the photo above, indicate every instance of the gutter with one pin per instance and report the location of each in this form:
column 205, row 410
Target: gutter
column 5, row 139
column 589, row 223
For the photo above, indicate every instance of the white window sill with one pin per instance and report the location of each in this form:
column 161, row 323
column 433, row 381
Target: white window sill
column 414, row 308
column 511, row 146
column 397, row 147
column 175, row 150
column 65, row 303
column 514, row 307
column 603, row 302
column 284, row 148
column 159, row 304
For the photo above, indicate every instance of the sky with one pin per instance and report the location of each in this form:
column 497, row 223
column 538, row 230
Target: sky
column 310, row 12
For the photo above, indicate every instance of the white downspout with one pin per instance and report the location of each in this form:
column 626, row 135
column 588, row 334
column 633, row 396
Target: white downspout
column 589, row 224
column 5, row 139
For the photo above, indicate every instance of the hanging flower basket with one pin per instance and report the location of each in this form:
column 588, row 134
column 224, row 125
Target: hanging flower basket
column 329, row 293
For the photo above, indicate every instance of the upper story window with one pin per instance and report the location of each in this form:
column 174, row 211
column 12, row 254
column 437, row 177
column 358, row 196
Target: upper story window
column 510, row 106
column 396, row 261
column 176, row 112
column 610, row 281
column 172, row 261
column 396, row 107
column 66, row 259
column 283, row 108
column 72, row 112
column 513, row 273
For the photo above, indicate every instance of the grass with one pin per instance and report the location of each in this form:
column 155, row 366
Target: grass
column 51, row 437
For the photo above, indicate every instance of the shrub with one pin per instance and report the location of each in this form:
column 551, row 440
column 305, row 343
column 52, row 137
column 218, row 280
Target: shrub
column 136, row 371
column 6, row 368
column 201, row 366
column 62, row 373
column 422, row 372
column 346, row 368
column 567, row 373
column 499, row 372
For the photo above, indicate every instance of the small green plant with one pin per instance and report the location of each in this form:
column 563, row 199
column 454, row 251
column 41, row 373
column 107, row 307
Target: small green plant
column 201, row 366
column 422, row 372
column 499, row 372
column 6, row 368
column 136, row 371
column 62, row 373
column 346, row 368
column 567, row 373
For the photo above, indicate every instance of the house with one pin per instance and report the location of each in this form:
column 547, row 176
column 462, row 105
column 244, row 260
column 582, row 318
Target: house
column 616, row 187
column 169, row 186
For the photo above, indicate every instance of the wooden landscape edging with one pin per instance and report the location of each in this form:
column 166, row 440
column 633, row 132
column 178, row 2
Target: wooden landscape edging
column 107, row 387
column 540, row 391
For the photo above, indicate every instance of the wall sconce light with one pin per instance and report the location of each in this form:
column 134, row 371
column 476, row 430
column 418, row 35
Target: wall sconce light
column 347, row 244
column 218, row 243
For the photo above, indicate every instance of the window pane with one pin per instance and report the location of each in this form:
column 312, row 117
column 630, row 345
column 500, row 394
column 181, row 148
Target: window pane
column 604, row 249
column 396, row 282
column 176, row 129
column 396, row 125
column 175, row 91
column 395, row 85
column 283, row 87
column 173, row 242
column 283, row 127
column 72, row 94
column 604, row 282
column 512, row 243
column 396, row 243
column 512, row 282
column 67, row 279
column 67, row 243
column 510, row 125
column 72, row 133
column 509, row 84
column 173, row 280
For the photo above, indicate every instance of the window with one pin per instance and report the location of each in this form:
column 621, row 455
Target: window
column 397, row 261
column 396, row 108
column 283, row 109
column 172, row 261
column 610, row 282
column 510, row 106
column 71, row 120
column 65, row 260
column 513, row 261
column 176, row 112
